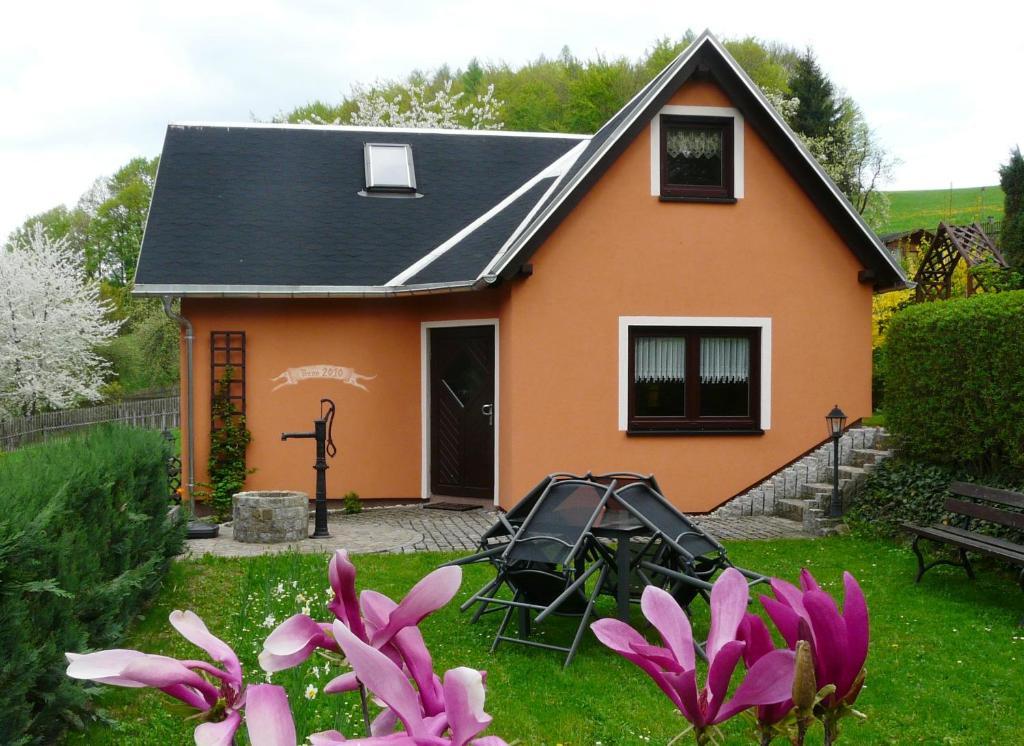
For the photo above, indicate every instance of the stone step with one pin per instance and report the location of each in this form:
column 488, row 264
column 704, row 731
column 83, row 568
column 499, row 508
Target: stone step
column 816, row 489
column 821, row 489
column 816, row 521
column 857, row 459
column 792, row 508
column 865, row 456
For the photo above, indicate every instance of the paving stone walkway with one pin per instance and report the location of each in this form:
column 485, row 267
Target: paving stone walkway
column 413, row 529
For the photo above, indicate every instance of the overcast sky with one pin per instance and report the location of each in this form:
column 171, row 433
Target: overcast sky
column 85, row 86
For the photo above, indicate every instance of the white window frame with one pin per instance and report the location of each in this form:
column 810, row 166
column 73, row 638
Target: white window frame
column 410, row 170
column 764, row 323
column 698, row 111
column 425, row 327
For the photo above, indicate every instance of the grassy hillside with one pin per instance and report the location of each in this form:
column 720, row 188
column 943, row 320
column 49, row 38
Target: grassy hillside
column 924, row 209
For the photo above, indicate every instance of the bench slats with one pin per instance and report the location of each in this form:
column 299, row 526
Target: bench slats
column 968, row 541
column 985, row 513
column 989, row 494
column 986, row 539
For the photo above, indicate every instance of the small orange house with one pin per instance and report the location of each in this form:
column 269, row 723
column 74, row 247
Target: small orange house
column 685, row 292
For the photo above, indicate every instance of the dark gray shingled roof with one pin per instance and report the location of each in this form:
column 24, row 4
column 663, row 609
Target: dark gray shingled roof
column 468, row 257
column 274, row 210
column 259, row 206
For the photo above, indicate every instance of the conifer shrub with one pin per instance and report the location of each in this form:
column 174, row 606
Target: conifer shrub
column 85, row 540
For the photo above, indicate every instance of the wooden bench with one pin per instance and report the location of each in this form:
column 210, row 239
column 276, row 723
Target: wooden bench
column 966, row 540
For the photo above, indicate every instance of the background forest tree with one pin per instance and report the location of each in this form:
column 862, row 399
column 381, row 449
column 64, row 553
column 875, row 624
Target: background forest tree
column 568, row 94
column 560, row 94
column 1011, row 179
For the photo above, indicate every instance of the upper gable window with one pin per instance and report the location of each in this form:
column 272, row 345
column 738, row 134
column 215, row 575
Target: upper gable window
column 696, row 157
column 389, row 167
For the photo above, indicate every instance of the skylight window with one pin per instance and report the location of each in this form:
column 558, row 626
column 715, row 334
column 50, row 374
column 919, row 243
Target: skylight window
column 389, row 167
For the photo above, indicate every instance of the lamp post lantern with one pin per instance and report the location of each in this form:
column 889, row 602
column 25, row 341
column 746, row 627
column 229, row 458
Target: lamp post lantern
column 836, row 420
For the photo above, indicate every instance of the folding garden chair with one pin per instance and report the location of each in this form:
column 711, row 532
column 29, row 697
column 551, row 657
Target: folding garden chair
column 678, row 555
column 544, row 565
column 494, row 540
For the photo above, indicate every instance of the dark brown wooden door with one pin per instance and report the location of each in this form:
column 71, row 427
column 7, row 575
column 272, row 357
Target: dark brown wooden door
column 462, row 411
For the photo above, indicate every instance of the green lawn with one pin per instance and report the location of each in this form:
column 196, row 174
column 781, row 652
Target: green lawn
column 924, row 209
column 945, row 664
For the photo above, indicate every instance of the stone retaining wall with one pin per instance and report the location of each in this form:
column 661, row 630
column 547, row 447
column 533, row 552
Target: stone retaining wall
column 802, row 490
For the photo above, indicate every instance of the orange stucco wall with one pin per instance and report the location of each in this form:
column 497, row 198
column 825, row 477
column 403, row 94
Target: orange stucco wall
column 377, row 431
column 621, row 252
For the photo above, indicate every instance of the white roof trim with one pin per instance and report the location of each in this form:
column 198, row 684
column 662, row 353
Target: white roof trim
column 569, row 159
column 555, row 169
column 377, row 130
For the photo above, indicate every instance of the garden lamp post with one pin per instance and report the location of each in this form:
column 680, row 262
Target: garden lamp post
column 836, row 420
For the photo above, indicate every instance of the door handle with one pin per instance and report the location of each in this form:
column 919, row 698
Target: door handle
column 487, row 410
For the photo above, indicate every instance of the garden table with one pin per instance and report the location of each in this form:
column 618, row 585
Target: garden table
column 621, row 526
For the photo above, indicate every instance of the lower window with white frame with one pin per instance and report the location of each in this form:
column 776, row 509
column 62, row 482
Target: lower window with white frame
column 694, row 379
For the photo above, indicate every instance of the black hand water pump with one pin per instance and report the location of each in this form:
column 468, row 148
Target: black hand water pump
column 324, row 448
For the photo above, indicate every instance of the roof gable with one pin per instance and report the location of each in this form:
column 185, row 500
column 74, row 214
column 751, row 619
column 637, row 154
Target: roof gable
column 706, row 56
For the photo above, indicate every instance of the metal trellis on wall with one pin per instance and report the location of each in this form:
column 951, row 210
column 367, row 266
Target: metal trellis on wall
column 227, row 349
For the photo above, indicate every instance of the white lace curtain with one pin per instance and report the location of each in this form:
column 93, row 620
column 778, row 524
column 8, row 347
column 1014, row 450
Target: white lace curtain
column 724, row 360
column 659, row 360
column 690, row 142
column 663, row 360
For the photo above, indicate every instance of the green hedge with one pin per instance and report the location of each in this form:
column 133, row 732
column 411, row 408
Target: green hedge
column 954, row 381
column 84, row 542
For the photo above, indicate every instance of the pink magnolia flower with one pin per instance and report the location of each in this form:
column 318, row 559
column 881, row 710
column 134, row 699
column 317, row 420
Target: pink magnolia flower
column 754, row 632
column 217, row 693
column 673, row 667
column 448, row 713
column 374, row 619
column 839, row 641
column 460, row 719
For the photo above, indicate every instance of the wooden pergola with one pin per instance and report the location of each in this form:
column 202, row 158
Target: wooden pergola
column 953, row 243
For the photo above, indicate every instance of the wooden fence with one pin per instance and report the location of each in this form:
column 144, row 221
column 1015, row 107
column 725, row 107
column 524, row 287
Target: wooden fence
column 157, row 414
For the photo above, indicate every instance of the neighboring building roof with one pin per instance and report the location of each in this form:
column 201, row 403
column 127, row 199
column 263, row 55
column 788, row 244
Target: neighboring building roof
column 275, row 210
column 912, row 237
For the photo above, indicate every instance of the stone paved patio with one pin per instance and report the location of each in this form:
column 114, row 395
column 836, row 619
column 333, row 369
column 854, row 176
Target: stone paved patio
column 413, row 529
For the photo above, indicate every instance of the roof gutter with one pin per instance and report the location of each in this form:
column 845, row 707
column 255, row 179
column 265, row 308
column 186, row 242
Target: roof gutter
column 306, row 291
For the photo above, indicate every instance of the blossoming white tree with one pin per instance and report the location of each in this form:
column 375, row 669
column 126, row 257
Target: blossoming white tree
column 411, row 108
column 52, row 321
column 851, row 155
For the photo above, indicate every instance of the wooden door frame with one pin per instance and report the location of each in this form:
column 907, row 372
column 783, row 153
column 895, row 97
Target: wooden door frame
column 425, row 327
